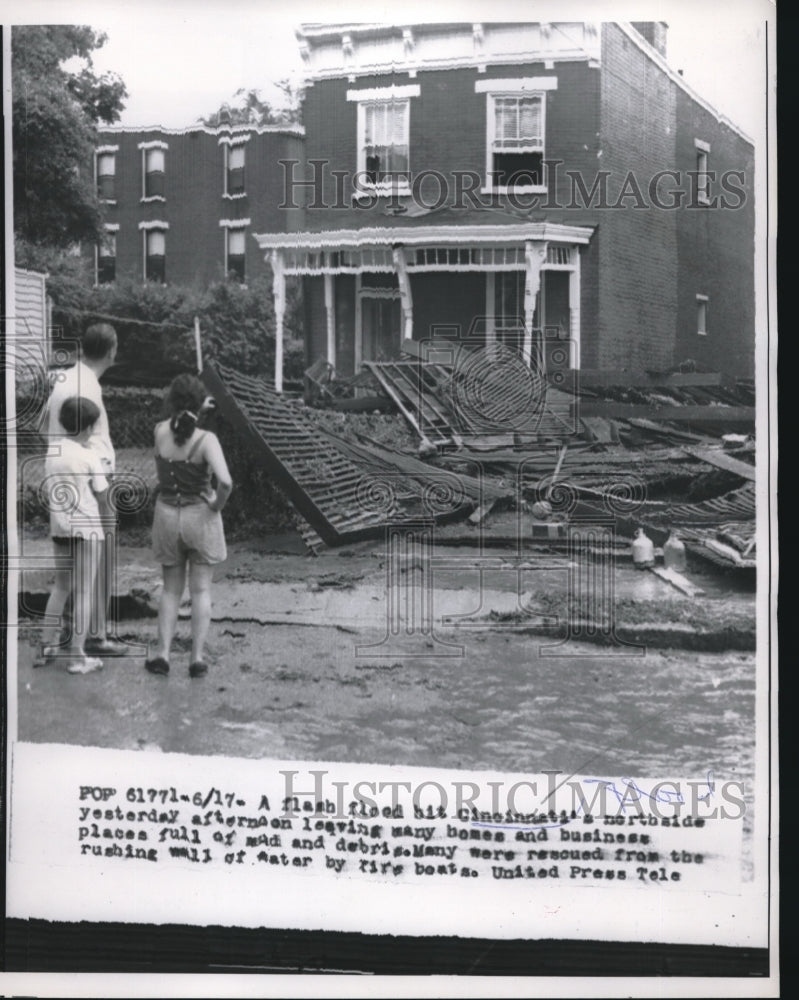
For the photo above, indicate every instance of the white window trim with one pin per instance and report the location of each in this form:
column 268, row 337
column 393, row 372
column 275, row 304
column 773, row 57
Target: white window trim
column 705, row 300
column 521, row 85
column 384, row 93
column 154, row 224
column 701, row 144
column 234, row 140
column 234, row 223
column 144, row 146
column 492, row 90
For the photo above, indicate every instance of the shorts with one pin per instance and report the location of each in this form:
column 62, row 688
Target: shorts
column 192, row 532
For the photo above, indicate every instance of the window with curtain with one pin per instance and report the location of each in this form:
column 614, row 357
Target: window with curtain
column 154, row 163
column 235, row 169
column 517, row 140
column 155, row 255
column 106, row 176
column 107, row 258
column 236, row 247
column 384, row 153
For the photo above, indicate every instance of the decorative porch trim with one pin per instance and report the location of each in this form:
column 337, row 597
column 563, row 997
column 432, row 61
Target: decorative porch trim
column 389, row 236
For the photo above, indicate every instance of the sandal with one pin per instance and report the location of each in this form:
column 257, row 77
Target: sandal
column 198, row 669
column 158, row 665
column 84, row 665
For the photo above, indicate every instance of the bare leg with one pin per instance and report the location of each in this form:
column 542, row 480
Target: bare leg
column 62, row 588
column 101, row 589
column 84, row 576
column 200, row 577
column 174, row 582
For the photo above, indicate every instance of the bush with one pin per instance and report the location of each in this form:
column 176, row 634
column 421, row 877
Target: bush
column 156, row 322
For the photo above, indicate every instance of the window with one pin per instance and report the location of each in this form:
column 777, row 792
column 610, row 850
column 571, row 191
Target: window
column 702, row 177
column 385, row 142
column 701, row 315
column 106, row 175
column 155, row 255
column 384, row 137
column 107, row 258
column 235, row 254
column 235, row 169
column 515, row 131
column 153, row 166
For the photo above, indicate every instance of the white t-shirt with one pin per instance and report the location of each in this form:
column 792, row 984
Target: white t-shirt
column 71, row 480
column 80, row 380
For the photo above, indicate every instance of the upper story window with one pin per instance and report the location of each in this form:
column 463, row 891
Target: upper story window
column 515, row 133
column 701, row 315
column 702, row 176
column 107, row 256
column 106, row 169
column 153, row 170
column 235, row 169
column 384, row 138
column 154, row 250
column 234, row 152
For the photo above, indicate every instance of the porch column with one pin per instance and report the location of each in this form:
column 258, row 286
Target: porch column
column 330, row 313
column 574, row 304
column 279, row 295
column 535, row 254
column 406, row 298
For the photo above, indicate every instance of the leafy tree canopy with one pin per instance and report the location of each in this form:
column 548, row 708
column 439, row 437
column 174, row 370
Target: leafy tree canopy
column 58, row 101
column 249, row 108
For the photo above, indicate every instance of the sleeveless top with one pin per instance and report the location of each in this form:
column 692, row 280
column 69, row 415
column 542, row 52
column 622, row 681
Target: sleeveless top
column 181, row 481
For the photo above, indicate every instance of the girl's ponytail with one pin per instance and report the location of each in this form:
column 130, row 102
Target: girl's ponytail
column 182, row 426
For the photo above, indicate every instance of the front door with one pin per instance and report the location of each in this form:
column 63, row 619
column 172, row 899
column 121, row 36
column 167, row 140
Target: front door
column 381, row 319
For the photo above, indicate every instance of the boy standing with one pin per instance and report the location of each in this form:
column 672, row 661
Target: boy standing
column 98, row 353
column 76, row 488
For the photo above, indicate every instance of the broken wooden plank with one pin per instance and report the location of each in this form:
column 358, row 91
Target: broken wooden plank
column 655, row 411
column 722, row 460
column 396, row 397
column 677, row 580
column 480, row 513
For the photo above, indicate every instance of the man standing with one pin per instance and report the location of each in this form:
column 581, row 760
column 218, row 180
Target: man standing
column 98, row 353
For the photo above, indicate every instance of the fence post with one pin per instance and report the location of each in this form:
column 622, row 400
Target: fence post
column 197, row 345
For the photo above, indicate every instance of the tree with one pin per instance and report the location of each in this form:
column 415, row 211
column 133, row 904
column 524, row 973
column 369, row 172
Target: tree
column 252, row 109
column 55, row 114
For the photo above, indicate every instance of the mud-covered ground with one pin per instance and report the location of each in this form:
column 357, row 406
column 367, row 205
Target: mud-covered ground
column 303, row 666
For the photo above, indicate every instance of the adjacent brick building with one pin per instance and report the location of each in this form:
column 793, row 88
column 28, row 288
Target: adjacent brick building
column 181, row 205
column 555, row 186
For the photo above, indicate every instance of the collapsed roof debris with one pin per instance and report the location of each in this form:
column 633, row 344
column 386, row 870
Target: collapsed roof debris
column 487, row 430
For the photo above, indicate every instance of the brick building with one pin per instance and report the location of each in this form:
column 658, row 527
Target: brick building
column 180, row 205
column 557, row 187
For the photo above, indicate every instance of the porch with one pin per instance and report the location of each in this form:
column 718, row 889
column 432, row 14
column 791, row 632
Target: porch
column 368, row 290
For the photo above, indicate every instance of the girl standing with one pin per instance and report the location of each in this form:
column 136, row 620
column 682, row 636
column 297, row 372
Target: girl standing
column 187, row 527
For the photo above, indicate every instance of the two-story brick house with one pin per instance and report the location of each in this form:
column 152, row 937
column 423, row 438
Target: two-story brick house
column 553, row 186
column 180, row 205
column 547, row 184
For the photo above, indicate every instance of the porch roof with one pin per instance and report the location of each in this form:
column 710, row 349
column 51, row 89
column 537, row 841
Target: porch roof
column 359, row 228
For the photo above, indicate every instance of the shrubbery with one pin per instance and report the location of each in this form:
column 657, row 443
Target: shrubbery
column 155, row 322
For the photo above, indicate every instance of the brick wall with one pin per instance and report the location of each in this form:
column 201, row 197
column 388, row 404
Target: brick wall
column 637, row 271
column 194, row 202
column 715, row 247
